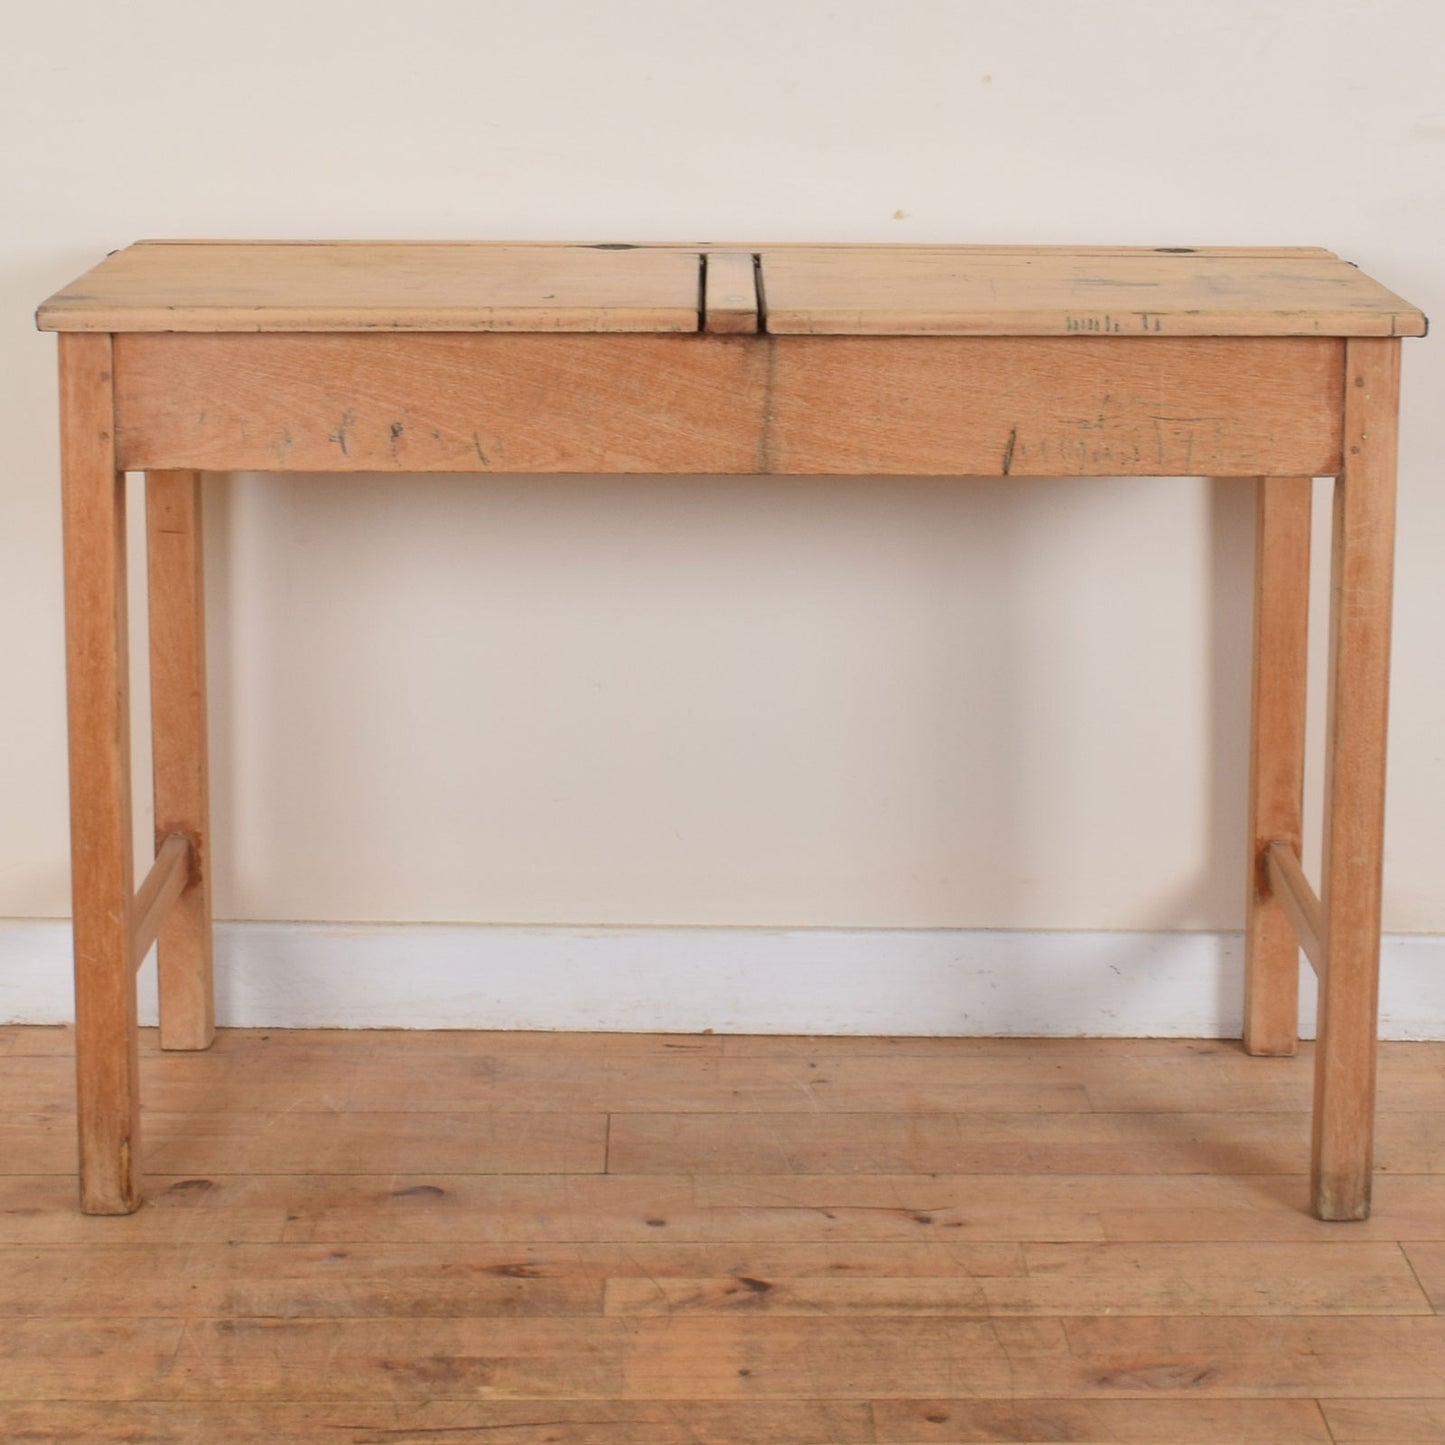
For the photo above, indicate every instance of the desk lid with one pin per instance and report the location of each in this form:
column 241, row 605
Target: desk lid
column 799, row 290
column 380, row 286
column 1056, row 291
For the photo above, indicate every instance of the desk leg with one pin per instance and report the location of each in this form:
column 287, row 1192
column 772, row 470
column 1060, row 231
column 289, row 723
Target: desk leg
column 178, row 732
column 1276, row 755
column 1360, row 600
column 102, row 882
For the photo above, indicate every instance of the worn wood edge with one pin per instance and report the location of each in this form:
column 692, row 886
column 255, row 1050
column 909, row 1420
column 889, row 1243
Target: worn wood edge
column 1298, row 899
column 157, row 895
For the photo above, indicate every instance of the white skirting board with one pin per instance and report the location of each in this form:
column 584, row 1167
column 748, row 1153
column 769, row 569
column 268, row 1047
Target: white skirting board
column 729, row 980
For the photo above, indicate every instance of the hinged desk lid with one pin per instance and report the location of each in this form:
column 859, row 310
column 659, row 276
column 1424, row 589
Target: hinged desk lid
column 380, row 286
column 1059, row 291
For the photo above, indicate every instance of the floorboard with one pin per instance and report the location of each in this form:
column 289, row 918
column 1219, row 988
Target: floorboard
column 602, row 1239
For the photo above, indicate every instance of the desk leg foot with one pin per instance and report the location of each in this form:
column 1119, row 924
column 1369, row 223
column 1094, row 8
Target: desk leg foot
column 178, row 732
column 102, row 881
column 1276, row 755
column 1360, row 602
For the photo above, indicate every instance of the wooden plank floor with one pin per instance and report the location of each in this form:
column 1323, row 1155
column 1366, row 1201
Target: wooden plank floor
column 573, row 1239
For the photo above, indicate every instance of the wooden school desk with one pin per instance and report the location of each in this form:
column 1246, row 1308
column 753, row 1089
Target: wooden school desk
column 178, row 358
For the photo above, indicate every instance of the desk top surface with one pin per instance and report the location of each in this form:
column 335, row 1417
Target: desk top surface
column 360, row 286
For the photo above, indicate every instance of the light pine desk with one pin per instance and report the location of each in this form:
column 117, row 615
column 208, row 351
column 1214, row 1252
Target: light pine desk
column 178, row 357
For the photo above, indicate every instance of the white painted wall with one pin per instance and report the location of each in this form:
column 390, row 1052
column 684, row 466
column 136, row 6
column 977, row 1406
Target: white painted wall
column 836, row 704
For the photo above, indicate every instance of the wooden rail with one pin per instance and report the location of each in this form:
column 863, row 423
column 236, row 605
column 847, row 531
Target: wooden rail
column 1301, row 904
column 157, row 895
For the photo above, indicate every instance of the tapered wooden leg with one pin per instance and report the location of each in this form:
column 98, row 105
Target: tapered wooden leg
column 178, row 731
column 102, row 883
column 1276, row 755
column 1360, row 600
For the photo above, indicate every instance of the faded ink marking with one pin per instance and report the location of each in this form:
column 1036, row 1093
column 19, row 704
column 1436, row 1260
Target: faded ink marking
column 419, row 1191
column 1008, row 451
column 481, row 455
column 396, row 430
column 339, row 435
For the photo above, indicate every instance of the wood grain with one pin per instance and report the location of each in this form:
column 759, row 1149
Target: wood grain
column 730, row 293
column 1062, row 1279
column 1022, row 291
column 1362, row 571
column 709, row 404
column 870, row 290
column 439, row 402
column 1276, row 756
column 689, row 1358
column 297, row 1281
column 387, row 286
column 1301, row 905
column 294, row 1143
column 1385, row 1422
column 101, row 870
column 180, row 751
column 984, row 1143
column 298, row 1070
column 720, row 1209
column 1049, row 406
column 402, row 1421
column 157, row 895
column 1101, row 1422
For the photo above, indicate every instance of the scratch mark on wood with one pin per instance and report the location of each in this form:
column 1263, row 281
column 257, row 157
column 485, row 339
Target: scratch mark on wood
column 1008, row 451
